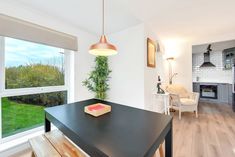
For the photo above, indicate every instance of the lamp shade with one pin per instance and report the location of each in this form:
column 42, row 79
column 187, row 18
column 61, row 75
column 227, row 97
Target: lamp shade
column 103, row 48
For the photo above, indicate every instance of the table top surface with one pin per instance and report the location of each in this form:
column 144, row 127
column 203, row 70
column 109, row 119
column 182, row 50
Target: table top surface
column 124, row 132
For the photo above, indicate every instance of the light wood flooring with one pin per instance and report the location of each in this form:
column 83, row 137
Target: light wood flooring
column 210, row 135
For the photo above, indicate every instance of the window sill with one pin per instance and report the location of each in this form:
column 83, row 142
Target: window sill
column 17, row 141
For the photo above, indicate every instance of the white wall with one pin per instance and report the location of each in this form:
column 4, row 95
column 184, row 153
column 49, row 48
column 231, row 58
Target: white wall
column 83, row 65
column 182, row 52
column 132, row 82
column 81, row 59
column 183, row 66
column 151, row 74
column 127, row 77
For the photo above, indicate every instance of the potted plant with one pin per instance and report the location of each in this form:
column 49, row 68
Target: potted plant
column 97, row 81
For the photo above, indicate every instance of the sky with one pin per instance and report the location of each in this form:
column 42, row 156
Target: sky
column 19, row 52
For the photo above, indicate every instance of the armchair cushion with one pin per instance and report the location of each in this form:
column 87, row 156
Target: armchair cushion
column 187, row 101
column 178, row 90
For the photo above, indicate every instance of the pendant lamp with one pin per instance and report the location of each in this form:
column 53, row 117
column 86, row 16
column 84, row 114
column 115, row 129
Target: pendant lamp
column 103, row 48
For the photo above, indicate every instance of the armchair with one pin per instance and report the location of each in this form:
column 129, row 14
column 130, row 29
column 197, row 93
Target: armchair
column 183, row 100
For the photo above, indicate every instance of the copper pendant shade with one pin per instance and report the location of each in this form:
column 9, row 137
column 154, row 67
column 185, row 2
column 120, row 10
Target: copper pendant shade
column 103, row 48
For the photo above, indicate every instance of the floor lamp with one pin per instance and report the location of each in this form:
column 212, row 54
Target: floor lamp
column 171, row 75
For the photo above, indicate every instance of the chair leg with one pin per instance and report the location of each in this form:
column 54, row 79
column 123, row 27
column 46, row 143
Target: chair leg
column 32, row 154
column 168, row 111
column 161, row 151
column 196, row 113
column 179, row 114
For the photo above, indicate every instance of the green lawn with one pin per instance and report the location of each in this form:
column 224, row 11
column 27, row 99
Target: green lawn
column 18, row 117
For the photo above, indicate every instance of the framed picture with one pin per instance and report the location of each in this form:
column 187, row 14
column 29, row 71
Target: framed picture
column 151, row 53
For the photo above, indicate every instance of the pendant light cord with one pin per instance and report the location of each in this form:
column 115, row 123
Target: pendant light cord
column 103, row 18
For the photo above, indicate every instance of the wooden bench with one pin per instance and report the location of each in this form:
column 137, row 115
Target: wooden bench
column 54, row 144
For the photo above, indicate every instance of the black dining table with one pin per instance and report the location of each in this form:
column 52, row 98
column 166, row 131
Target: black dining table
column 123, row 132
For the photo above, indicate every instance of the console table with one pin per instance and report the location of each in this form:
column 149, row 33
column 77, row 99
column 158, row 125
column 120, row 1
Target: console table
column 166, row 102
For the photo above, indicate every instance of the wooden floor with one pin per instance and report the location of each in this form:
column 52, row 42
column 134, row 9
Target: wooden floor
column 210, row 135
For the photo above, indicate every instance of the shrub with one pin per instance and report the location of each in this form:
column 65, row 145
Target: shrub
column 36, row 75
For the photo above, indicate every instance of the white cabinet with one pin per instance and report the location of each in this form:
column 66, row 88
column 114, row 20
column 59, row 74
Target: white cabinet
column 160, row 103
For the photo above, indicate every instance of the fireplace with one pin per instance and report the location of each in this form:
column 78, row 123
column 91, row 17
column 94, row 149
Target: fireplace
column 208, row 91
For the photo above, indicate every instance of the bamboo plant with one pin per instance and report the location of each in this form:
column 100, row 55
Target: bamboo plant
column 97, row 82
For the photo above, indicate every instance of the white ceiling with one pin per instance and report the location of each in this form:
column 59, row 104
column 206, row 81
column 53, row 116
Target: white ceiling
column 86, row 14
column 192, row 19
column 187, row 19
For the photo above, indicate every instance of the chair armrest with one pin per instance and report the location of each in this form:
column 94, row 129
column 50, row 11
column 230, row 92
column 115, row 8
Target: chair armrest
column 194, row 96
column 172, row 95
column 175, row 99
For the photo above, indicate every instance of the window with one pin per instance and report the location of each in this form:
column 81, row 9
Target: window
column 32, row 77
column 32, row 65
column 21, row 113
